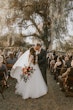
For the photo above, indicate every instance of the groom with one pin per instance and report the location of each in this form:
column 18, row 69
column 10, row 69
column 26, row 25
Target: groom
column 42, row 61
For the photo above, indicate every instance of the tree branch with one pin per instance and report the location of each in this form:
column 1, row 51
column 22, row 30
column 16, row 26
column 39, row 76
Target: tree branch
column 36, row 35
column 69, row 9
column 40, row 32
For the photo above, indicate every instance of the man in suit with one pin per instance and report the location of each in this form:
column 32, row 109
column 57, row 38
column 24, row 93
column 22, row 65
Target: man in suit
column 42, row 60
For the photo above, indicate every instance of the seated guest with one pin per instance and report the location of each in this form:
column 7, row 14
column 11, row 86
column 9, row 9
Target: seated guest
column 3, row 71
column 70, row 58
column 63, row 59
column 59, row 63
column 10, row 62
column 52, row 63
column 67, row 62
column 0, row 52
column 63, row 78
column 63, row 70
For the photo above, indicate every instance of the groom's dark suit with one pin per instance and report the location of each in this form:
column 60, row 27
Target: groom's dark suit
column 42, row 61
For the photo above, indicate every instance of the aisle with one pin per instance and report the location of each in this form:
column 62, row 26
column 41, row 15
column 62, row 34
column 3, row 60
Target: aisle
column 54, row 100
column 62, row 102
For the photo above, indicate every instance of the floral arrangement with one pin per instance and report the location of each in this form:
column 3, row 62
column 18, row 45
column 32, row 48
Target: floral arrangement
column 27, row 71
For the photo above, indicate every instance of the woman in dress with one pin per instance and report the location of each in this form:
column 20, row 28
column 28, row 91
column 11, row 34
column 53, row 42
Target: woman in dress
column 35, row 86
column 58, row 65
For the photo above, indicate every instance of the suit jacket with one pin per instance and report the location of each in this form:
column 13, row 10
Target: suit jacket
column 42, row 61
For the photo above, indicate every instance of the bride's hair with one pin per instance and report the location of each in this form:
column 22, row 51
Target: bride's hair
column 32, row 52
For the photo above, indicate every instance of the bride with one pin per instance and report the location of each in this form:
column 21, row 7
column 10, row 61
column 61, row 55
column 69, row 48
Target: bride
column 35, row 86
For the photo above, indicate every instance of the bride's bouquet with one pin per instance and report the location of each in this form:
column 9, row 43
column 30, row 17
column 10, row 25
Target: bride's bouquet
column 26, row 73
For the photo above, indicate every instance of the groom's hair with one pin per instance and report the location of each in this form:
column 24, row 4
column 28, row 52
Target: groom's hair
column 38, row 44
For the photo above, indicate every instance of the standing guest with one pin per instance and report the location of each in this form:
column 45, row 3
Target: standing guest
column 20, row 53
column 52, row 63
column 57, row 67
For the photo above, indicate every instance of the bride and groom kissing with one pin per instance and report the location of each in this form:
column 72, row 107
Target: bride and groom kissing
column 42, row 61
column 36, row 86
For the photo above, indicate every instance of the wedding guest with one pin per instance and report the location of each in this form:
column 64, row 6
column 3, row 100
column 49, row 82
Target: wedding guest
column 20, row 53
column 3, row 71
column 10, row 61
column 63, row 78
column 1, row 52
column 67, row 62
column 52, row 63
column 57, row 67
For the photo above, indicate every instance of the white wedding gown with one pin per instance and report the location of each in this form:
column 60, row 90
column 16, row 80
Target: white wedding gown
column 35, row 86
